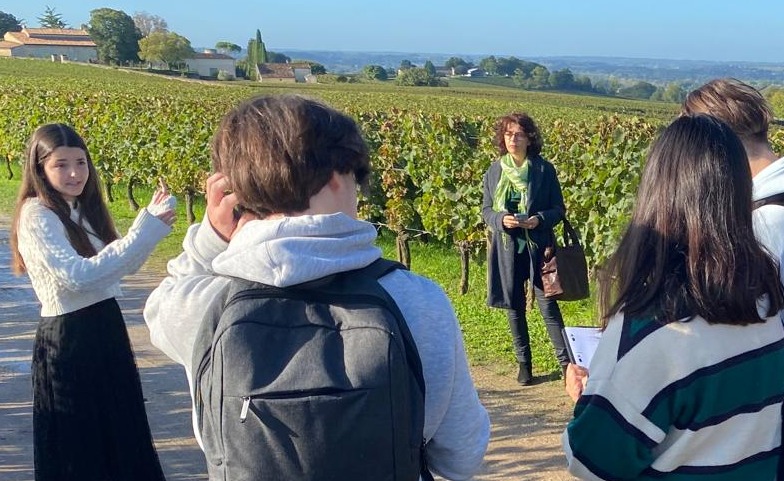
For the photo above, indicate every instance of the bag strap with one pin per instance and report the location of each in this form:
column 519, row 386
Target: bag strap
column 570, row 236
column 775, row 199
column 376, row 270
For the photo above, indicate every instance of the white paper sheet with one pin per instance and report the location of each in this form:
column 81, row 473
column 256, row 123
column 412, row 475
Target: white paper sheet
column 581, row 343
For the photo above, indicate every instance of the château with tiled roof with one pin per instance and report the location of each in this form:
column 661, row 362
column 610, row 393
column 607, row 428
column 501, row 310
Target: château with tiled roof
column 61, row 43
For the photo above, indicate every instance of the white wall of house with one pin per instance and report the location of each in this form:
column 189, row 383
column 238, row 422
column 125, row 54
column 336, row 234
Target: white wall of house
column 74, row 54
column 301, row 73
column 209, row 67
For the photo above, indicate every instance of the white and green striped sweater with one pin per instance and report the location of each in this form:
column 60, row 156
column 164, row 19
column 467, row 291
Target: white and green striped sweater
column 683, row 401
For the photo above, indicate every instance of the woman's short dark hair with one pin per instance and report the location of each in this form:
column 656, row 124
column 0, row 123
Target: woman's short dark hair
column 690, row 248
column 529, row 127
column 278, row 151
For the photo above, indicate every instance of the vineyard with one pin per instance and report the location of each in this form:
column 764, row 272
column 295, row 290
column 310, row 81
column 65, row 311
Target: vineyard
column 429, row 146
column 429, row 149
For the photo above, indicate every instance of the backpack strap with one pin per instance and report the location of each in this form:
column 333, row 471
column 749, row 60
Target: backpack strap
column 775, row 199
column 376, row 270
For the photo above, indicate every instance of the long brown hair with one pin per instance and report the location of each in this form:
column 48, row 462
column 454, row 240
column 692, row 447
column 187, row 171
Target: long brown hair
column 92, row 207
column 690, row 247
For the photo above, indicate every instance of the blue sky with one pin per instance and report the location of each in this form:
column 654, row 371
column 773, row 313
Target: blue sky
column 750, row 30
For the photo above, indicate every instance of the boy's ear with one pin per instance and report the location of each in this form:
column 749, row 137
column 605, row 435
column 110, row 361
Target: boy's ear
column 335, row 181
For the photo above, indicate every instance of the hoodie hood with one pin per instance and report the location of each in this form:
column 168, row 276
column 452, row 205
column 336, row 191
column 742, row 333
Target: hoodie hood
column 292, row 250
column 770, row 180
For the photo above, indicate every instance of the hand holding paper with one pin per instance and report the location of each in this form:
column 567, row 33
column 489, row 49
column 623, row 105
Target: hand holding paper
column 581, row 342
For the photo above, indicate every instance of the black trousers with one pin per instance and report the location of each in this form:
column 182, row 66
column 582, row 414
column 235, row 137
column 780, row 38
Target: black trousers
column 518, row 324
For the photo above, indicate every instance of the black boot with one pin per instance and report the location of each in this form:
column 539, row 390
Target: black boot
column 524, row 376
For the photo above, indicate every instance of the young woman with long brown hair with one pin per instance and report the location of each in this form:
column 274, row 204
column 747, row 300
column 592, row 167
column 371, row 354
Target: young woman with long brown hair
column 89, row 421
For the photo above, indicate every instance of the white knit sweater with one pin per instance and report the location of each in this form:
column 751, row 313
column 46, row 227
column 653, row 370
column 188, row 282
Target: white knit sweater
column 63, row 280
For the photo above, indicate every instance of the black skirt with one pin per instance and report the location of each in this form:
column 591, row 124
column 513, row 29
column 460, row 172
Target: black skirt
column 89, row 422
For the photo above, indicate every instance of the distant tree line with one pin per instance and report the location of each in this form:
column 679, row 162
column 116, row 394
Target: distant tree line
column 525, row 75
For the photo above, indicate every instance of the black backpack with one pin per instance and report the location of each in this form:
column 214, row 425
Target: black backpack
column 319, row 381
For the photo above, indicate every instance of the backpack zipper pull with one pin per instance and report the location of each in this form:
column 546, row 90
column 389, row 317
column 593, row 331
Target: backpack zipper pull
column 244, row 411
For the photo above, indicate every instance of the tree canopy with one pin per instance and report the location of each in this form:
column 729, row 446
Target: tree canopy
column 227, row 47
column 147, row 23
column 274, row 57
column 257, row 53
column 455, row 62
column 51, row 19
column 431, row 69
column 640, row 90
column 167, row 47
column 317, row 69
column 9, row 23
column 115, row 35
column 374, row 72
column 418, row 77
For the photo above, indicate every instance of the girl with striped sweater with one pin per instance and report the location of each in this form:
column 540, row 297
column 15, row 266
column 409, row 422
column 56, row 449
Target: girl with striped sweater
column 686, row 382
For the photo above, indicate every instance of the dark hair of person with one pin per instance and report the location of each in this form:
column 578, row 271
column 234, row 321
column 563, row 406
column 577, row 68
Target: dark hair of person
column 690, row 247
column 92, row 207
column 529, row 127
column 279, row 151
column 735, row 103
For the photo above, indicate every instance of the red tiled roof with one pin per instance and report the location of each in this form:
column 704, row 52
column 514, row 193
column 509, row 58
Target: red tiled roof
column 275, row 70
column 50, row 36
column 71, row 32
column 280, row 70
column 208, row 55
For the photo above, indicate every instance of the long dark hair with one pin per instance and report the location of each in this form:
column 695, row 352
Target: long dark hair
column 92, row 207
column 690, row 247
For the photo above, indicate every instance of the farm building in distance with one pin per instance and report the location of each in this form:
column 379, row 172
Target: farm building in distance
column 209, row 62
column 284, row 72
column 55, row 43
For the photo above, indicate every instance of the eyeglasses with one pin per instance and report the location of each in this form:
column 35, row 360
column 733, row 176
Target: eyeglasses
column 515, row 135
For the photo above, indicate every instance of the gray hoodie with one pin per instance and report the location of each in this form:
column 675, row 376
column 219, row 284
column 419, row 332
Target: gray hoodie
column 292, row 250
column 769, row 219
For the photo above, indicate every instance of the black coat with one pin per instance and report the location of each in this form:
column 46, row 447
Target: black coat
column 545, row 199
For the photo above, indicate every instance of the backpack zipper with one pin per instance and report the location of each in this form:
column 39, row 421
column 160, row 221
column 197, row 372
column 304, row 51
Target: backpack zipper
column 244, row 410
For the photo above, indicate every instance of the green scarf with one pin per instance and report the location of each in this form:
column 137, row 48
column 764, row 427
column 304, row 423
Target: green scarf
column 513, row 177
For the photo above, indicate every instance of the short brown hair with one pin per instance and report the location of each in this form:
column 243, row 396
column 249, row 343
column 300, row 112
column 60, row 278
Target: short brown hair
column 529, row 127
column 278, row 151
column 737, row 104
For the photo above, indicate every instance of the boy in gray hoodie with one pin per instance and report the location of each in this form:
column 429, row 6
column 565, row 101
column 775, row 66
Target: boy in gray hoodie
column 282, row 210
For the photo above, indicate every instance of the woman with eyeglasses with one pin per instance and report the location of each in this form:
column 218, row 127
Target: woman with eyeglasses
column 522, row 202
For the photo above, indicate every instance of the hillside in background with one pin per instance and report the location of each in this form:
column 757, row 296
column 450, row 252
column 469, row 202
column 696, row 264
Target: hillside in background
column 657, row 71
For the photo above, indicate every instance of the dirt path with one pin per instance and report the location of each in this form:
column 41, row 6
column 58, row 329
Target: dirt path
column 527, row 421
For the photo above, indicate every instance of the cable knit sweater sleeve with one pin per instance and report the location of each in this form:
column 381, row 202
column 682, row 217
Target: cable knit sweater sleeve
column 43, row 242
